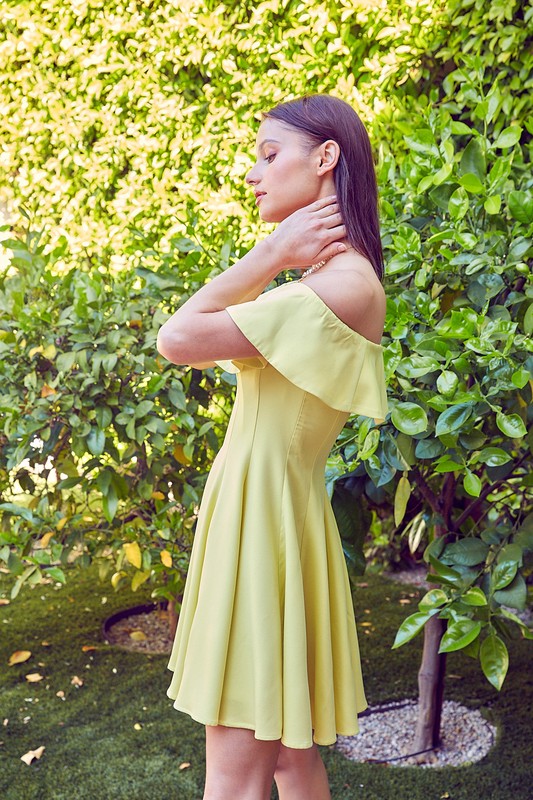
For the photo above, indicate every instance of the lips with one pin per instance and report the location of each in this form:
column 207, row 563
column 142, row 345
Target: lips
column 258, row 196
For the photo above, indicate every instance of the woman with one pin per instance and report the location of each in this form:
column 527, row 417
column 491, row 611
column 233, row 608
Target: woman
column 266, row 652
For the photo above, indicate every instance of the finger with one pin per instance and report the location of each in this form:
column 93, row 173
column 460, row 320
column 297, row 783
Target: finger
column 331, row 250
column 337, row 232
column 333, row 220
column 323, row 202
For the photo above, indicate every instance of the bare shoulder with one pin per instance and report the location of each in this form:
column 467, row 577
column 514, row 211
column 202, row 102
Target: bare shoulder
column 352, row 290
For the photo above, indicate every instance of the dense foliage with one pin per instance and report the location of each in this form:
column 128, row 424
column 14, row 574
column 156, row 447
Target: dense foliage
column 128, row 130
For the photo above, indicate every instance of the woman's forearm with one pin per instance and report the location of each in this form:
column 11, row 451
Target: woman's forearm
column 243, row 281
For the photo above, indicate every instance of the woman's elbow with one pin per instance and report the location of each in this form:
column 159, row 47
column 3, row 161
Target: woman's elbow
column 171, row 345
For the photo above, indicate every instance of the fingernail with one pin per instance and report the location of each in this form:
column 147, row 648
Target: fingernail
column 341, row 248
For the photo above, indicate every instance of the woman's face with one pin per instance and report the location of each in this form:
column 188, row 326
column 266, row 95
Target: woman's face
column 284, row 177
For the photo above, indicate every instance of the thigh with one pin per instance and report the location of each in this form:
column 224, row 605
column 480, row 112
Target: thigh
column 238, row 765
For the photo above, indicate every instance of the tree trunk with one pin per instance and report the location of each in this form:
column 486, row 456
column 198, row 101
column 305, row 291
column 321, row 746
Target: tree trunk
column 431, row 687
column 173, row 614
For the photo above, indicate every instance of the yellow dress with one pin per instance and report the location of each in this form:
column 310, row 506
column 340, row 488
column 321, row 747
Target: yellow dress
column 266, row 637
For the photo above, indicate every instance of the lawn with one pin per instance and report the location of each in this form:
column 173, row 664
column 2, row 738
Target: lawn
column 117, row 737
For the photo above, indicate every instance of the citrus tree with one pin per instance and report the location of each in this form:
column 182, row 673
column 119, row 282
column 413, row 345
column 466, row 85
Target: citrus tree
column 105, row 445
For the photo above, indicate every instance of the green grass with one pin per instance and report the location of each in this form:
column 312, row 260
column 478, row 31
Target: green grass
column 93, row 750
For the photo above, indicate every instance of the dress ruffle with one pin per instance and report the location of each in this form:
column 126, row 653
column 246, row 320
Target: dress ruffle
column 302, row 338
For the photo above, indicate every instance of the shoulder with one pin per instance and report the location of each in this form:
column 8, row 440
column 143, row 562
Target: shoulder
column 355, row 294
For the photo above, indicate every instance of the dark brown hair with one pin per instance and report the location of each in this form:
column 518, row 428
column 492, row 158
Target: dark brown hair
column 321, row 117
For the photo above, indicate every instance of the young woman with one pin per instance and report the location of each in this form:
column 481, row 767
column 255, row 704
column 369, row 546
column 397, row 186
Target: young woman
column 266, row 652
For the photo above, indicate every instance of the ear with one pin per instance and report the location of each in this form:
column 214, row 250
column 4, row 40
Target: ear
column 328, row 156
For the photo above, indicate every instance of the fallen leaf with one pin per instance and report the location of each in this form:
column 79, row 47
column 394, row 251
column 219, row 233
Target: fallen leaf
column 361, row 585
column 137, row 726
column 138, row 636
column 76, row 681
column 60, row 693
column 34, row 677
column 45, row 644
column 86, row 647
column 405, row 601
column 4, row 601
column 31, row 754
column 19, row 656
column 185, row 765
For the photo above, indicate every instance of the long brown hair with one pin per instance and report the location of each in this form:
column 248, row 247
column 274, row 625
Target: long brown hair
column 321, row 117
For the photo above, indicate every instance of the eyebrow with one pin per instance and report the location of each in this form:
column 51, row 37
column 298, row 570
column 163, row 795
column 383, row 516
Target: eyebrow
column 267, row 141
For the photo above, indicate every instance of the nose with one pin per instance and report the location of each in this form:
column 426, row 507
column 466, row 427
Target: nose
column 251, row 177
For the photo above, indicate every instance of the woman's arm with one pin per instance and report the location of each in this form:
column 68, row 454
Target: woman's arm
column 201, row 331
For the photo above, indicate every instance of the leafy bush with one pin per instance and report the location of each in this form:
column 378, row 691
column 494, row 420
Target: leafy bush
column 105, row 445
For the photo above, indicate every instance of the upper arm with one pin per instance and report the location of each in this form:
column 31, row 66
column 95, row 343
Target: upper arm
column 357, row 300
column 203, row 337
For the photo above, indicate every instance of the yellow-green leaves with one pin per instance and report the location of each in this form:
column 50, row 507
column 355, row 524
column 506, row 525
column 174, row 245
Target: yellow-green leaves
column 401, row 498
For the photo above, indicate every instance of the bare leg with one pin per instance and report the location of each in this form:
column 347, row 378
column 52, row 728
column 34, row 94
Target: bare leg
column 239, row 766
column 301, row 775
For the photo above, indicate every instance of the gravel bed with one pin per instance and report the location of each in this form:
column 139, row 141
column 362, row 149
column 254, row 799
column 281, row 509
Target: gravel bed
column 387, row 733
column 143, row 633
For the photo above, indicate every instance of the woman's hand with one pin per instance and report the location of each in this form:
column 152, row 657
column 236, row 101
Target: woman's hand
column 311, row 234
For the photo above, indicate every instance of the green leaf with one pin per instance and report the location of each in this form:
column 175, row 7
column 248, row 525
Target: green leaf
column 508, row 137
column 466, row 552
column 471, row 183
column 459, row 634
column 513, row 595
column 447, row 573
column 143, row 408
column 57, row 574
column 472, row 483
column 494, row 660
column 521, row 206
column 447, row 382
column 493, row 204
column 416, row 366
column 502, row 574
column 411, row 626
column 458, row 204
column 473, row 159
column 96, row 441
column 401, row 498
column 520, row 377
column 433, row 599
column 110, row 504
column 493, row 456
column 474, row 597
column 453, row 418
column 511, row 425
column 409, row 418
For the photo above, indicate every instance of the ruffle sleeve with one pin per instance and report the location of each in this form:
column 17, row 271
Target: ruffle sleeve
column 301, row 337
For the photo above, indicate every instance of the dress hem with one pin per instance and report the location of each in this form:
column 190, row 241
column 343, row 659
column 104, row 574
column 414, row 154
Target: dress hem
column 247, row 726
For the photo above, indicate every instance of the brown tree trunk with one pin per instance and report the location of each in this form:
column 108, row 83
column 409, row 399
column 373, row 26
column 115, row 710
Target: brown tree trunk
column 173, row 614
column 431, row 688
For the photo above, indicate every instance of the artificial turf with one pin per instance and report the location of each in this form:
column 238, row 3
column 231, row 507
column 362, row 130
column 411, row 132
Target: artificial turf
column 93, row 749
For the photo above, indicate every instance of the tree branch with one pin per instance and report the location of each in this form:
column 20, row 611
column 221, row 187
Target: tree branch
column 425, row 491
column 486, row 491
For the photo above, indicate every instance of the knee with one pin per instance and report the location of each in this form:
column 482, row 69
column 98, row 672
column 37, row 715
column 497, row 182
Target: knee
column 293, row 761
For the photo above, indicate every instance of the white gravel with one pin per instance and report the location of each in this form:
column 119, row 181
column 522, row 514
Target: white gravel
column 387, row 734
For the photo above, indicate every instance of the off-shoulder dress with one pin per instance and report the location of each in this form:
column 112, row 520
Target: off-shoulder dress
column 266, row 637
